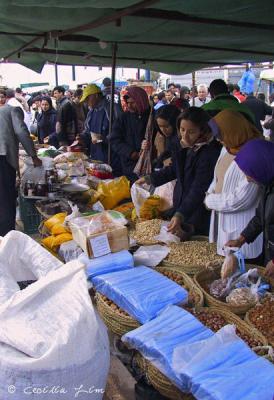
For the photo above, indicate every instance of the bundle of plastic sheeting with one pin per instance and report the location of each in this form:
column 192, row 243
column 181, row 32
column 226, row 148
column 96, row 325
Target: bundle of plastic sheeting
column 223, row 367
column 24, row 258
column 158, row 339
column 109, row 263
column 48, row 347
column 141, row 292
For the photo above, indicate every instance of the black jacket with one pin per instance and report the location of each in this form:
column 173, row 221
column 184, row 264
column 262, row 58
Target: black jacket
column 263, row 221
column 127, row 135
column 46, row 124
column 66, row 121
column 259, row 108
column 194, row 172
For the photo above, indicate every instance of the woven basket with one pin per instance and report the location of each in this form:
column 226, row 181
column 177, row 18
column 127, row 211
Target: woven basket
column 117, row 323
column 197, row 294
column 164, row 386
column 249, row 322
column 203, row 278
column 266, row 352
column 242, row 326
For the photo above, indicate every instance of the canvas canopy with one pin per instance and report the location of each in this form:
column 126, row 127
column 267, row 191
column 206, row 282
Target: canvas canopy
column 172, row 36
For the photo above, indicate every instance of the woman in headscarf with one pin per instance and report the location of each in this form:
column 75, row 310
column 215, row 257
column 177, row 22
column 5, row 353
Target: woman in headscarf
column 193, row 162
column 256, row 161
column 46, row 123
column 129, row 129
column 232, row 199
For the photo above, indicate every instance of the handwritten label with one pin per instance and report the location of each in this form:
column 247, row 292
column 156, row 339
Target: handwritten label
column 100, row 245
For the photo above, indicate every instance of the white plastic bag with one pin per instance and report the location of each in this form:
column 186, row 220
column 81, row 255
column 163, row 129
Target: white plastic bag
column 139, row 196
column 165, row 192
column 166, row 237
column 24, row 258
column 151, row 256
column 75, row 213
column 35, row 174
column 51, row 337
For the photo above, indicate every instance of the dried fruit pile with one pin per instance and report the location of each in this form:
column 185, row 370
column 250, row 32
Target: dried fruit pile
column 262, row 316
column 215, row 322
column 145, row 231
column 115, row 307
column 192, row 253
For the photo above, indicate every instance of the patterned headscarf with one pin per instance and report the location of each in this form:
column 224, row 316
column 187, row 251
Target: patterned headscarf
column 140, row 97
column 256, row 159
column 235, row 129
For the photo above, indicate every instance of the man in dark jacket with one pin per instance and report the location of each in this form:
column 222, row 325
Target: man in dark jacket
column 259, row 108
column 12, row 131
column 97, row 126
column 221, row 99
column 66, row 125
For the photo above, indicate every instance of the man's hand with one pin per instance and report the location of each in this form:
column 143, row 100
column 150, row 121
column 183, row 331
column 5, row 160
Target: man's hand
column 135, row 156
column 175, row 225
column 96, row 138
column 269, row 270
column 140, row 181
column 36, row 161
column 236, row 243
column 145, row 145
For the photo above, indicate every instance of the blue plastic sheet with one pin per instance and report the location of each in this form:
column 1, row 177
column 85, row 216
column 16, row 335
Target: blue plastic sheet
column 141, row 291
column 223, row 367
column 158, row 339
column 109, row 263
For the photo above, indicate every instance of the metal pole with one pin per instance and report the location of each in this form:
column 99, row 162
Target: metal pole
column 73, row 73
column 56, row 74
column 193, row 84
column 111, row 113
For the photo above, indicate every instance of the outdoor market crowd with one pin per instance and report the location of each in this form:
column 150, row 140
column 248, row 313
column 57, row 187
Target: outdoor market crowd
column 210, row 140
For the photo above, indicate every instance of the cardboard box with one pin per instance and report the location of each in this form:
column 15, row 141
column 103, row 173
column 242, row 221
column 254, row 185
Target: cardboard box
column 100, row 244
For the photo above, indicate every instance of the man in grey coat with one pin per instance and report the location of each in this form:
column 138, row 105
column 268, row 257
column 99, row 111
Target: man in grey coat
column 12, row 131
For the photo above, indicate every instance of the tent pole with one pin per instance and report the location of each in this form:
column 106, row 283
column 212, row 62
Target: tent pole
column 193, row 84
column 111, row 113
column 56, row 74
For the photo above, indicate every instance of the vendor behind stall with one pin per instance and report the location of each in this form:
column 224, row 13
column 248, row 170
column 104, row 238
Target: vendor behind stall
column 97, row 125
column 256, row 160
column 193, row 166
column 46, row 123
column 129, row 129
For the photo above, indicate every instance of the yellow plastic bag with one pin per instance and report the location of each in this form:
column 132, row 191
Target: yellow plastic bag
column 151, row 208
column 53, row 242
column 113, row 192
column 58, row 229
column 54, row 220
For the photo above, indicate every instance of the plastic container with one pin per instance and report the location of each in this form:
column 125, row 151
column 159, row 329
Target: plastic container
column 29, row 215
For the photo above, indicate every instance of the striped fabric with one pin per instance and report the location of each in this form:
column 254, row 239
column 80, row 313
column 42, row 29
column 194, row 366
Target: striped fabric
column 233, row 209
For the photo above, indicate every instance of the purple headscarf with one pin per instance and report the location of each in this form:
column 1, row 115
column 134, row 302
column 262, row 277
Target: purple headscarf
column 256, row 159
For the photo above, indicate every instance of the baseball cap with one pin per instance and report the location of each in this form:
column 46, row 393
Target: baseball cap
column 90, row 89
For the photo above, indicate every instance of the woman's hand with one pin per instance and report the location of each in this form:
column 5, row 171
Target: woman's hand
column 236, row 243
column 140, row 181
column 145, row 145
column 269, row 270
column 36, row 161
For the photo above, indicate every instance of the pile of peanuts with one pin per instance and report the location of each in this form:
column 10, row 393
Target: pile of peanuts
column 262, row 316
column 146, row 230
column 215, row 322
column 192, row 253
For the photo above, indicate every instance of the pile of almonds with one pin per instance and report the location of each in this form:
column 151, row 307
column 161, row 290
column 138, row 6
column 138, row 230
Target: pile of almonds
column 262, row 316
column 215, row 322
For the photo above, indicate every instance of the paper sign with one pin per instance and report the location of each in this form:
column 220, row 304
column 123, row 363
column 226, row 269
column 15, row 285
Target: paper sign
column 100, row 245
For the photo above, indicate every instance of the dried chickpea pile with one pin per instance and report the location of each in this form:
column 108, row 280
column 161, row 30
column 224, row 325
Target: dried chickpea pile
column 115, row 307
column 145, row 231
column 192, row 253
column 215, row 322
column 262, row 316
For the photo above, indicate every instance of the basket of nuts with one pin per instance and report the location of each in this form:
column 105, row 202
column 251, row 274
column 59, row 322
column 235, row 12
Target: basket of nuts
column 116, row 319
column 195, row 295
column 145, row 232
column 191, row 257
column 262, row 318
column 204, row 280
